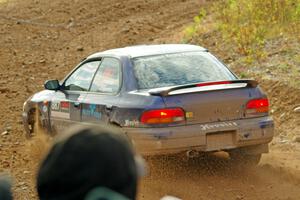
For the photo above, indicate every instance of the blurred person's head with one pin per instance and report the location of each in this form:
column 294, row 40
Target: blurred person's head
column 5, row 188
column 86, row 159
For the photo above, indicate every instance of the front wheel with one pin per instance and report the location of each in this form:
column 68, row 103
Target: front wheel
column 35, row 124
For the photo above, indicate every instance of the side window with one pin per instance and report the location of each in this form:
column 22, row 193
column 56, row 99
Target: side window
column 107, row 78
column 81, row 79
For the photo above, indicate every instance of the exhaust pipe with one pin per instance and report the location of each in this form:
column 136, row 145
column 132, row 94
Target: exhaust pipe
column 192, row 153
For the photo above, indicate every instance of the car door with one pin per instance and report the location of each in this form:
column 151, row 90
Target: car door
column 102, row 98
column 65, row 109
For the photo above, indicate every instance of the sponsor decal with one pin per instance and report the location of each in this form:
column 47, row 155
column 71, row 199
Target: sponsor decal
column 91, row 111
column 55, row 106
column 60, row 110
column 206, row 127
column 64, row 105
column 131, row 123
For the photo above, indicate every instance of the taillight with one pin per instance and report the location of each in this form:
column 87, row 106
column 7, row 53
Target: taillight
column 257, row 106
column 213, row 83
column 163, row 116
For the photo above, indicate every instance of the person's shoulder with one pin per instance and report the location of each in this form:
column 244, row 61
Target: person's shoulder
column 102, row 193
column 5, row 188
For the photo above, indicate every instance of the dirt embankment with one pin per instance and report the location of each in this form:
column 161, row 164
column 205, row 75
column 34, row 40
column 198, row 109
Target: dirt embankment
column 44, row 39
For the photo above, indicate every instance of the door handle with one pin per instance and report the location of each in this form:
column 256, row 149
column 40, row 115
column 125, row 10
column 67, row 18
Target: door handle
column 76, row 104
column 108, row 109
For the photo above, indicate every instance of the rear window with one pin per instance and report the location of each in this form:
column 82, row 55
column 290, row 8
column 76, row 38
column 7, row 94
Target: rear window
column 178, row 69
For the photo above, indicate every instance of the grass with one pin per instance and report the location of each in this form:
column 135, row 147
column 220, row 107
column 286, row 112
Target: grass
column 248, row 24
column 257, row 36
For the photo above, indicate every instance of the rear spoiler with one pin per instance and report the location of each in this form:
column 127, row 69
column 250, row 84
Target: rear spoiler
column 166, row 90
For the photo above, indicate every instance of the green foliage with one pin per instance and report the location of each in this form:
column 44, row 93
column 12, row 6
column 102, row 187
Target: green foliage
column 248, row 23
column 191, row 30
column 243, row 75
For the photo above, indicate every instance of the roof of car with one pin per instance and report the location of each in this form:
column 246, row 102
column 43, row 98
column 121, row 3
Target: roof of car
column 147, row 50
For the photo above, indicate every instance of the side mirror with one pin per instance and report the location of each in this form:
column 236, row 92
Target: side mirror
column 52, row 85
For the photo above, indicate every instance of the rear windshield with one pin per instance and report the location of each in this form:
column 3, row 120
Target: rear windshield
column 179, row 69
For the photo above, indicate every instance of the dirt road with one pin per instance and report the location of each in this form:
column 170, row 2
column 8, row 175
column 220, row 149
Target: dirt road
column 212, row 178
column 44, row 39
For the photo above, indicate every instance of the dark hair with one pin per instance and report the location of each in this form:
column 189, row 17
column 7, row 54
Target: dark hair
column 5, row 188
column 89, row 157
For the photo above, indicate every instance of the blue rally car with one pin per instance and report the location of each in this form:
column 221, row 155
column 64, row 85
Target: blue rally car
column 166, row 98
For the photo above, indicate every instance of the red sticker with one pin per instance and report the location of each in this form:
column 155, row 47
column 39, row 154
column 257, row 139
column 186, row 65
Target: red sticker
column 64, row 105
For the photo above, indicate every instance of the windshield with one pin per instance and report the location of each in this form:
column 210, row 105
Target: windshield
column 178, row 69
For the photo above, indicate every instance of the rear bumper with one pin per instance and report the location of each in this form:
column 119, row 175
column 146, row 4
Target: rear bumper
column 202, row 137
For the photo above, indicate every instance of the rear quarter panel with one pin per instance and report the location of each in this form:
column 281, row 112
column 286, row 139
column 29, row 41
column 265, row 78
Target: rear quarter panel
column 132, row 105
